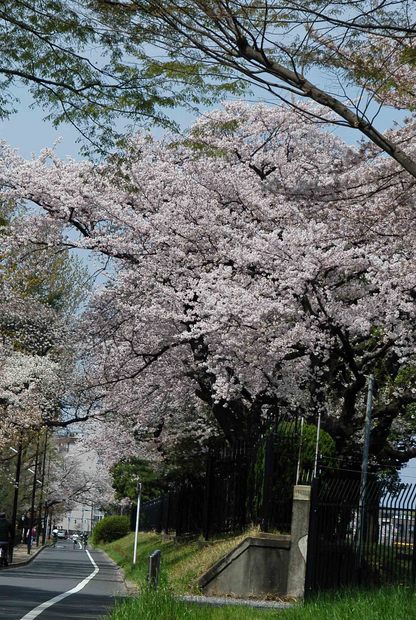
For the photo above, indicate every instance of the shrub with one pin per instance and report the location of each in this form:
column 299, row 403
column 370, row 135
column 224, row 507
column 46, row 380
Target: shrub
column 110, row 528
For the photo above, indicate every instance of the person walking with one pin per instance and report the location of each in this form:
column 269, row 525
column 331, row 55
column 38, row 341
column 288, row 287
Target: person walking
column 54, row 537
column 5, row 539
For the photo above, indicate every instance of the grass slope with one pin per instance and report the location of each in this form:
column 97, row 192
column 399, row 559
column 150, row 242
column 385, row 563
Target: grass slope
column 182, row 562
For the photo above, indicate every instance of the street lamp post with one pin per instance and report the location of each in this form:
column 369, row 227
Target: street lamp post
column 136, row 531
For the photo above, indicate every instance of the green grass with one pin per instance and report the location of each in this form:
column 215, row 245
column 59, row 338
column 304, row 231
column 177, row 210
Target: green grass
column 387, row 604
column 182, row 562
column 162, row 606
column 383, row 604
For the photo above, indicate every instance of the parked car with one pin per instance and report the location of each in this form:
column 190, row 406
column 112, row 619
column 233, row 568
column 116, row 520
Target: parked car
column 61, row 534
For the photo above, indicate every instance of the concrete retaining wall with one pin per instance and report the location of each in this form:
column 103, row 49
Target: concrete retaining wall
column 266, row 564
column 257, row 567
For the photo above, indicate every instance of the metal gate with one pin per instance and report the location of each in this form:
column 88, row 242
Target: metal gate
column 361, row 537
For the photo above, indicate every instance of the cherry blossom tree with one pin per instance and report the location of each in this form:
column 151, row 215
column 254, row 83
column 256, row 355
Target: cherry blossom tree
column 71, row 483
column 39, row 291
column 259, row 265
column 30, row 373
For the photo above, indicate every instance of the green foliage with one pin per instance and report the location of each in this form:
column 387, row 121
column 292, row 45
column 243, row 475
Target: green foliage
column 409, row 56
column 110, row 528
column 57, row 280
column 51, row 285
column 162, row 605
column 406, row 377
column 125, row 475
column 91, row 62
column 326, row 446
column 410, row 412
column 89, row 73
column 184, row 460
column 7, row 476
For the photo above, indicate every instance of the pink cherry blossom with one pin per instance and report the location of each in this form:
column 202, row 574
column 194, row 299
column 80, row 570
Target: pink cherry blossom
column 259, row 265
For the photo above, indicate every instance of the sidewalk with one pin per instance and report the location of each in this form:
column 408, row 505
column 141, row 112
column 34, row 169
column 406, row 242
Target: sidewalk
column 21, row 556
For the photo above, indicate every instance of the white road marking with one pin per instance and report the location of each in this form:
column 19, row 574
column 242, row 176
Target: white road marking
column 56, row 599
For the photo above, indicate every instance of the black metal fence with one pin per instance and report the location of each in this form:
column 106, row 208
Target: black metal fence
column 361, row 536
column 243, row 484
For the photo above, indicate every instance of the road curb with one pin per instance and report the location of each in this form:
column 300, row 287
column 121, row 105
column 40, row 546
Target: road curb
column 218, row 601
column 29, row 559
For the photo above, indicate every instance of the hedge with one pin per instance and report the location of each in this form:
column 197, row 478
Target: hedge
column 111, row 528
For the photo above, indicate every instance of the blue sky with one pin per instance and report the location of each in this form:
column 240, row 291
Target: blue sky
column 26, row 130
column 29, row 133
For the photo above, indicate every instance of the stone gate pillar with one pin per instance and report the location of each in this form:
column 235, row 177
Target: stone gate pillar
column 299, row 540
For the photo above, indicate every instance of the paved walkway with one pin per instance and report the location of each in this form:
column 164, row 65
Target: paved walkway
column 21, row 556
column 61, row 583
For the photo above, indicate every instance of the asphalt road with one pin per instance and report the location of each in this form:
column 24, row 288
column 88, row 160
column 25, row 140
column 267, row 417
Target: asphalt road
column 51, row 575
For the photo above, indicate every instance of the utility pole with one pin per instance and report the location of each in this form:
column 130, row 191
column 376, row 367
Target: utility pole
column 92, row 518
column 32, row 507
column 41, row 525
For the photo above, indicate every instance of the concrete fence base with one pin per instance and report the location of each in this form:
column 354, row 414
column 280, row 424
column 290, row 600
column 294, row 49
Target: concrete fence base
column 266, row 564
